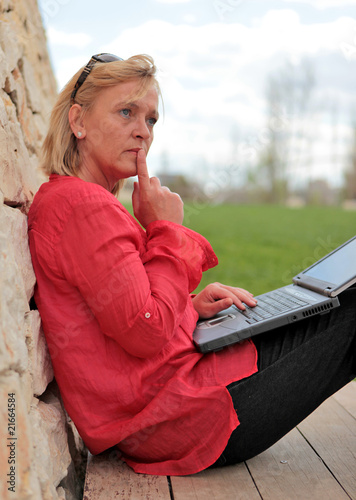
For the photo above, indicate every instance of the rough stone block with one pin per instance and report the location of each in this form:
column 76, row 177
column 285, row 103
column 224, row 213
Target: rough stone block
column 40, row 365
column 33, row 94
column 13, row 305
column 18, row 181
column 9, row 44
column 14, row 224
column 50, row 441
column 19, row 443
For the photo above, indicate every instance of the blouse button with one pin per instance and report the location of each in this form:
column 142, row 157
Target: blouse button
column 147, row 315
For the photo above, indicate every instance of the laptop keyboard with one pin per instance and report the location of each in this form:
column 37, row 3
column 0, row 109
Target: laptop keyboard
column 272, row 304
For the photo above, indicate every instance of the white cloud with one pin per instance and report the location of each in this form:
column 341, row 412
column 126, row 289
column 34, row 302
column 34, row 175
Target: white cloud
column 220, row 47
column 67, row 67
column 77, row 40
column 173, row 1
column 325, row 4
column 189, row 18
column 213, row 76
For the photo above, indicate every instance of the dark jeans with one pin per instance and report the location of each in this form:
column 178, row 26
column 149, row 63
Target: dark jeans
column 300, row 366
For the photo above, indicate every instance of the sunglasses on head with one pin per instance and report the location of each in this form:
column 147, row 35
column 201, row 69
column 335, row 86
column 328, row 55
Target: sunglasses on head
column 103, row 58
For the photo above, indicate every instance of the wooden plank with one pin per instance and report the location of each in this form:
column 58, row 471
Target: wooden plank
column 347, row 398
column 226, row 483
column 290, row 470
column 108, row 478
column 331, row 430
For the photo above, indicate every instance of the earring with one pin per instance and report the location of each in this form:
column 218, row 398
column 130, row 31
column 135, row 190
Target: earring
column 79, row 134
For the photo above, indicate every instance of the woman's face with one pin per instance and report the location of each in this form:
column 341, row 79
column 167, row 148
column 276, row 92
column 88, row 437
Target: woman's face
column 113, row 130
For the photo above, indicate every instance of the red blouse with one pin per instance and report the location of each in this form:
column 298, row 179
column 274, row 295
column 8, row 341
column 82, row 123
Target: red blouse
column 118, row 318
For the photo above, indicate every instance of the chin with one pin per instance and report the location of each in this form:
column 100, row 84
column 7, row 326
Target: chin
column 125, row 173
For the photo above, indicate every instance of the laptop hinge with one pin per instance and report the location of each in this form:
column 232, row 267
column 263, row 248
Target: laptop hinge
column 322, row 287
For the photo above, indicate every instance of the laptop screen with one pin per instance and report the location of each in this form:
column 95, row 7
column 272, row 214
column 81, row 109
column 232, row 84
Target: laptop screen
column 337, row 267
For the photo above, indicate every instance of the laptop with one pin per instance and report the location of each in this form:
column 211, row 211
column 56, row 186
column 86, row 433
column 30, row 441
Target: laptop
column 313, row 291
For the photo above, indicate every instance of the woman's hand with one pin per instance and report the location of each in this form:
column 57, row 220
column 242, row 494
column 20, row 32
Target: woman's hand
column 217, row 297
column 151, row 201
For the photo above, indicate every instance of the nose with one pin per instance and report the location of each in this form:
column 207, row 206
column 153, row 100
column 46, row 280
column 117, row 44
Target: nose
column 141, row 130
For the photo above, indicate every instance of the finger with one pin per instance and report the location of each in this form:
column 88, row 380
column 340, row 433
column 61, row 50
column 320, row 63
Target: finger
column 238, row 290
column 135, row 196
column 242, row 295
column 242, row 298
column 142, row 171
column 246, row 292
column 247, row 297
column 219, row 292
column 154, row 181
column 136, row 190
column 218, row 306
column 239, row 303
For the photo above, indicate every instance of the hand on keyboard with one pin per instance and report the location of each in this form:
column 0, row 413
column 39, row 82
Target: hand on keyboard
column 217, row 297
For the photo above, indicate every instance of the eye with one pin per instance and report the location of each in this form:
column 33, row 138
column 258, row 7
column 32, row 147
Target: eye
column 152, row 121
column 125, row 112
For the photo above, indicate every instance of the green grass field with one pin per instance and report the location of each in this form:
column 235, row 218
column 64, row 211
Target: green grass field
column 262, row 247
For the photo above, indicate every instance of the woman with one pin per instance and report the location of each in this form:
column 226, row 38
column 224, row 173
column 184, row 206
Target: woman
column 117, row 306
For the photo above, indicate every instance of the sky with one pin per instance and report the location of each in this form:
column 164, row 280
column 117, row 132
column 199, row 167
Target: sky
column 216, row 59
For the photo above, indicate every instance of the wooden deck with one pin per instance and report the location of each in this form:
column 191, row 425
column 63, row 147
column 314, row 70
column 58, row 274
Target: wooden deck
column 317, row 460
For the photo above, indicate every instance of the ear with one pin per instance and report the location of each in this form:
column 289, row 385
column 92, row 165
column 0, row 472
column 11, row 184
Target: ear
column 75, row 117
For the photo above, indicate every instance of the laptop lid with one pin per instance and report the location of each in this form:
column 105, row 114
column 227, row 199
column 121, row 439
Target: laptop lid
column 333, row 273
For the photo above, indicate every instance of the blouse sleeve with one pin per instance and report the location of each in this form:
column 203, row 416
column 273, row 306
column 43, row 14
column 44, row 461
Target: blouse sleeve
column 136, row 285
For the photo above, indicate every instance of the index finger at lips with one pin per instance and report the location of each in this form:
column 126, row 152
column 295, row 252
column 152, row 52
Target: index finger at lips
column 142, row 171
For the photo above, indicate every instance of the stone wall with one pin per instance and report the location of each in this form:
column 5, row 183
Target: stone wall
column 41, row 454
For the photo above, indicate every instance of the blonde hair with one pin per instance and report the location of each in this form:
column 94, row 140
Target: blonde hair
column 60, row 154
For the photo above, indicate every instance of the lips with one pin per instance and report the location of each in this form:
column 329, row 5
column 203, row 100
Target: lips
column 134, row 150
